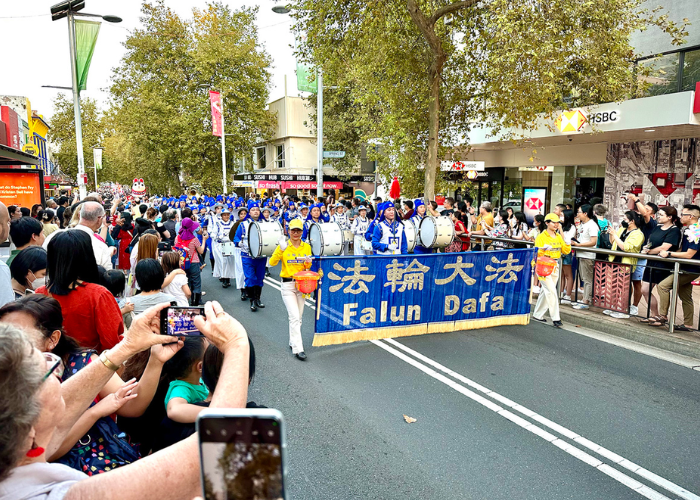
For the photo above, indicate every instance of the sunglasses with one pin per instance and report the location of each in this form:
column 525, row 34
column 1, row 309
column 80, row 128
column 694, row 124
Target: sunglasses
column 686, row 215
column 54, row 364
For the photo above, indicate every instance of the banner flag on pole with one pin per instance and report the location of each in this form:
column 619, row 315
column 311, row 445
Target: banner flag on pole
column 216, row 112
column 85, row 39
column 305, row 75
column 97, row 157
column 377, row 297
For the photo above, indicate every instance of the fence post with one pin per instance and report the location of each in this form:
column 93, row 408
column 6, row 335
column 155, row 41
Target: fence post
column 674, row 298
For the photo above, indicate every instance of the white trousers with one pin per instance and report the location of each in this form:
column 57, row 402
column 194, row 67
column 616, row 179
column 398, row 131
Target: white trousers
column 294, row 302
column 357, row 242
column 238, row 268
column 548, row 298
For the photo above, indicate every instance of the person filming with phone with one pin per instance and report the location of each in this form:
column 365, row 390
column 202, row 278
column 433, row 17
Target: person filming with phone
column 37, row 412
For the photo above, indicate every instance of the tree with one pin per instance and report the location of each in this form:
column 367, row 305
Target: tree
column 161, row 117
column 62, row 134
column 434, row 68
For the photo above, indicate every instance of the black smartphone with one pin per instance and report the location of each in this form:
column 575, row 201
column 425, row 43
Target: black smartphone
column 179, row 321
column 242, row 453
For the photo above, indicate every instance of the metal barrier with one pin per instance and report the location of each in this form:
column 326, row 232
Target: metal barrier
column 676, row 267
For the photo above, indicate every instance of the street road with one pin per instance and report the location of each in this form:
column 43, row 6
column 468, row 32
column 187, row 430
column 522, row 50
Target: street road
column 502, row 413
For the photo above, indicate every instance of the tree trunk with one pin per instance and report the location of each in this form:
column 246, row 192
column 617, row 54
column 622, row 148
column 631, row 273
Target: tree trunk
column 432, row 163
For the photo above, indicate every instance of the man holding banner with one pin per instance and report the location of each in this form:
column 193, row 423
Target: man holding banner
column 388, row 237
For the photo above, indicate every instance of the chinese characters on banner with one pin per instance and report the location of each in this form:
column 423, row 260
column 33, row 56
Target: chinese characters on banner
column 392, row 296
column 216, row 113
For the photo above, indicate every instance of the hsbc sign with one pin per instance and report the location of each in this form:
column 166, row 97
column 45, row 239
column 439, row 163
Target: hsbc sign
column 581, row 120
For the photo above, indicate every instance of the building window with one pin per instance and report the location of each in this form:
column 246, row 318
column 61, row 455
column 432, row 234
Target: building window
column 280, row 157
column 262, row 161
column 691, row 69
column 663, row 77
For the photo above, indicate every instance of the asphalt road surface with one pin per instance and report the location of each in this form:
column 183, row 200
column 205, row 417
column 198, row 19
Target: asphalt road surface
column 502, row 413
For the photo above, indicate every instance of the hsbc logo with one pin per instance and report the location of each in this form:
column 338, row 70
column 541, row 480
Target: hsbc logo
column 576, row 120
column 534, row 203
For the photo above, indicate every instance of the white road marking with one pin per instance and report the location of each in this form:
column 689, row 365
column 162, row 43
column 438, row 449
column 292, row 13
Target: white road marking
column 572, row 450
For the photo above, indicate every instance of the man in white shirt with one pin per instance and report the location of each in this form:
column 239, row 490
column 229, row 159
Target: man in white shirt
column 6, row 293
column 92, row 215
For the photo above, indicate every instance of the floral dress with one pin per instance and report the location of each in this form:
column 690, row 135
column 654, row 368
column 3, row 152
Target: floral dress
column 104, row 447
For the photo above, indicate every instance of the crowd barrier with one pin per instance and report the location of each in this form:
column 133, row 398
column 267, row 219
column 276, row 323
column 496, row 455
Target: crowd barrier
column 483, row 239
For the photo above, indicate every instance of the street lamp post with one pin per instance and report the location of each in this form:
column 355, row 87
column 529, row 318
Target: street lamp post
column 69, row 9
column 286, row 9
column 223, row 146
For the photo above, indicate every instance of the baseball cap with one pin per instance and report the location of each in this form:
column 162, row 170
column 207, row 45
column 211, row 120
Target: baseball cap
column 296, row 224
column 552, row 217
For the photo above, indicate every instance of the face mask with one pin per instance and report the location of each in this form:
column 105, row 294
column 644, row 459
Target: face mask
column 38, row 282
column 624, row 224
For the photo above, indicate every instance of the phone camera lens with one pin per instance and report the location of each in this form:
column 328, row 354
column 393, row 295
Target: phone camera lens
column 208, row 432
column 223, row 432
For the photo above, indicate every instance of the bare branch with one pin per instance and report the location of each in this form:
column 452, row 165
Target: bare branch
column 453, row 7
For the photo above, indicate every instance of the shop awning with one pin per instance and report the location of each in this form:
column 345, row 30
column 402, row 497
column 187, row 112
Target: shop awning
column 655, row 118
column 12, row 156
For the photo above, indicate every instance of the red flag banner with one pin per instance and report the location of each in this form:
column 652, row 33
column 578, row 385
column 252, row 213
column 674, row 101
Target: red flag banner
column 216, row 113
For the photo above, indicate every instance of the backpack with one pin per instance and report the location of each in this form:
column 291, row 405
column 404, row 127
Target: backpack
column 604, row 240
column 185, row 254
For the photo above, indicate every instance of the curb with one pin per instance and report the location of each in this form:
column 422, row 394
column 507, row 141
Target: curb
column 633, row 330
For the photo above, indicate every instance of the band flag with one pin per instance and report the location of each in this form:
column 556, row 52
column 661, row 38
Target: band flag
column 375, row 297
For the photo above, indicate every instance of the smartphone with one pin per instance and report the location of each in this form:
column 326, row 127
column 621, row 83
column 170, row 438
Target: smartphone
column 242, row 453
column 179, row 321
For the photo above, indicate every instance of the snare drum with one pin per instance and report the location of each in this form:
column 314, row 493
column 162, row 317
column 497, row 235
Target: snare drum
column 326, row 239
column 263, row 238
column 227, row 248
column 436, row 232
column 409, row 232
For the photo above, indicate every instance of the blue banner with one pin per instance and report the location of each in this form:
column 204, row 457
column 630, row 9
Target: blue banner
column 373, row 297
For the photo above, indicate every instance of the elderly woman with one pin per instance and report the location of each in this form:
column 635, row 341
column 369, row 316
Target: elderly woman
column 37, row 412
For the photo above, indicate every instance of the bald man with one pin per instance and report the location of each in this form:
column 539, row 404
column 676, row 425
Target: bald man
column 6, row 293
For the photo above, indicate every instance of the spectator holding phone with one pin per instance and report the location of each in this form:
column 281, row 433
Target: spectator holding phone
column 35, row 419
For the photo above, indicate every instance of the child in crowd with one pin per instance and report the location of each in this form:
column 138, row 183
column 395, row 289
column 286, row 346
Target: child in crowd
column 177, row 287
column 187, row 387
column 115, row 281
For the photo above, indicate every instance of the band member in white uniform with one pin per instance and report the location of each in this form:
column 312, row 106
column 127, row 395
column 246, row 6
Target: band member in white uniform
column 224, row 266
column 388, row 237
column 341, row 218
column 238, row 267
column 359, row 228
column 419, row 215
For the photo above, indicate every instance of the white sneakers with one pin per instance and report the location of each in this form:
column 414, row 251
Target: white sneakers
column 634, row 311
column 580, row 306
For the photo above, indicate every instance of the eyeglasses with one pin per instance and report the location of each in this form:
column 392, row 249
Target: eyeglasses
column 54, row 364
column 686, row 215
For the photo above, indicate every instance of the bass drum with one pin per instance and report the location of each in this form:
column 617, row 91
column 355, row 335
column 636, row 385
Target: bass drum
column 410, row 233
column 263, row 238
column 436, row 232
column 326, row 239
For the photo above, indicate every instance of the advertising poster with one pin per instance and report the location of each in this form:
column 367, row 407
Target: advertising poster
column 21, row 187
column 534, row 202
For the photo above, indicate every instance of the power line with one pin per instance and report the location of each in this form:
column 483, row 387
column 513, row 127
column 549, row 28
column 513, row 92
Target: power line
column 24, row 17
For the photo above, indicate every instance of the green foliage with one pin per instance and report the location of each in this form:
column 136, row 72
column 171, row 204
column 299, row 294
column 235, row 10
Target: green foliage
column 420, row 73
column 160, row 120
column 62, row 134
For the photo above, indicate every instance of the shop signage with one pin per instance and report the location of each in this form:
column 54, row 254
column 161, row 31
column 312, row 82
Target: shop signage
column 538, row 168
column 579, row 120
column 461, row 166
column 243, row 184
column 31, row 149
column 310, row 185
column 535, row 200
column 269, row 185
column 300, row 178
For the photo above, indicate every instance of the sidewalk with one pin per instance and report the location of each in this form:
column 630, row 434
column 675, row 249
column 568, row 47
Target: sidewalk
column 687, row 344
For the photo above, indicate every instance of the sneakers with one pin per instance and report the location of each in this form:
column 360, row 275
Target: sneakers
column 566, row 300
column 619, row 315
column 634, row 311
column 580, row 306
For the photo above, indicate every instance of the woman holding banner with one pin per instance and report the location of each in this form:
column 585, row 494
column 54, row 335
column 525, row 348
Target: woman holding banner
column 550, row 243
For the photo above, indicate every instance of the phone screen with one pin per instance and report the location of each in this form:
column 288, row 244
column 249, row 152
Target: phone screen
column 179, row 321
column 242, row 456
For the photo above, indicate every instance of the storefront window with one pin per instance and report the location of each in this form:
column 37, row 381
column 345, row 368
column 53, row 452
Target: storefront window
column 663, row 78
column 691, row 69
column 513, row 192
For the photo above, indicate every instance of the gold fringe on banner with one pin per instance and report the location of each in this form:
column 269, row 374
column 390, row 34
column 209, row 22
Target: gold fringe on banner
column 348, row 336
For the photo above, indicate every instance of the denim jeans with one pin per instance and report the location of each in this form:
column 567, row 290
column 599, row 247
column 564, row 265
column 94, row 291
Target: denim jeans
column 194, row 278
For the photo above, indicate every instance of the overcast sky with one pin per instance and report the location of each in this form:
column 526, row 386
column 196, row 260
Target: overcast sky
column 36, row 49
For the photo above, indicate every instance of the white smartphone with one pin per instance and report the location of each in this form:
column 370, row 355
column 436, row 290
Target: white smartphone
column 242, row 454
